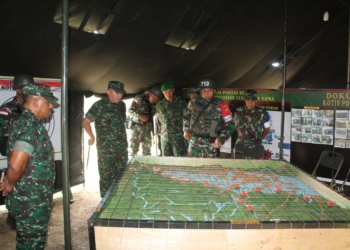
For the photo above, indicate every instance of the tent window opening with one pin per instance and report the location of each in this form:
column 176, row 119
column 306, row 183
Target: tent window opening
column 191, row 29
column 92, row 18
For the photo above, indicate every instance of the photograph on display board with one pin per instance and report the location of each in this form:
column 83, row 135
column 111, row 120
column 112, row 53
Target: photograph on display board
column 340, row 123
column 306, row 129
column 296, row 112
column 317, row 113
column 347, row 143
column 328, row 113
column 317, row 121
column 327, row 131
column 342, row 114
column 306, row 112
column 296, row 137
column 307, row 138
column 316, row 130
column 296, row 128
column 327, row 139
column 317, row 139
column 327, row 122
column 341, row 133
column 296, row 120
column 339, row 143
column 306, row 120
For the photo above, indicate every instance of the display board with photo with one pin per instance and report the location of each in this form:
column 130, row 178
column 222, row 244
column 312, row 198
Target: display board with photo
column 341, row 128
column 317, row 126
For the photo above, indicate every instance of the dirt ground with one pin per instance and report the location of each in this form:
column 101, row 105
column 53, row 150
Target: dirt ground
column 85, row 202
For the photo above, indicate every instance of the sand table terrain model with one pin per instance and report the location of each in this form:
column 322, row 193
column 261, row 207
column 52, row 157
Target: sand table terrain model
column 250, row 192
column 191, row 203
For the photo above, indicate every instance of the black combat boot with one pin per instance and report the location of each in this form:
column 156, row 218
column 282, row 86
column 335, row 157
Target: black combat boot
column 11, row 222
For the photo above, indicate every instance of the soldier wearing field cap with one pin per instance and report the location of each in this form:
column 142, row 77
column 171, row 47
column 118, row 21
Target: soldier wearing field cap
column 169, row 112
column 252, row 126
column 29, row 183
column 192, row 92
column 109, row 115
column 142, row 110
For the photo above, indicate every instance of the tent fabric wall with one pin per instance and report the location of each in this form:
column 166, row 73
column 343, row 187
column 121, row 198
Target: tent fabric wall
column 75, row 133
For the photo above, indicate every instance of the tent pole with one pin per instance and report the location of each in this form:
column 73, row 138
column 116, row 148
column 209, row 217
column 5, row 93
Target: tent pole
column 284, row 79
column 64, row 125
column 347, row 84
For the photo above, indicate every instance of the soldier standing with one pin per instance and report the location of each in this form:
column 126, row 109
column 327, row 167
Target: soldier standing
column 8, row 113
column 169, row 113
column 142, row 110
column 207, row 122
column 192, row 92
column 252, row 126
column 30, row 178
column 109, row 117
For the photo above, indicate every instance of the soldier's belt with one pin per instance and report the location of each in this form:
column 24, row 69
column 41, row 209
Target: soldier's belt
column 249, row 150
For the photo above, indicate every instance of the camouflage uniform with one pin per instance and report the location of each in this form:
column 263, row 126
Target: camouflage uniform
column 249, row 126
column 141, row 131
column 208, row 127
column 8, row 111
column 111, row 140
column 30, row 200
column 170, row 114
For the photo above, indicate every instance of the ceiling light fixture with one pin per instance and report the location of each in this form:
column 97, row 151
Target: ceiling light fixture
column 275, row 64
column 326, row 16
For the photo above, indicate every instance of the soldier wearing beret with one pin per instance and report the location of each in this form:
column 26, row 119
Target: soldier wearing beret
column 252, row 126
column 109, row 117
column 141, row 111
column 207, row 122
column 169, row 112
column 29, row 183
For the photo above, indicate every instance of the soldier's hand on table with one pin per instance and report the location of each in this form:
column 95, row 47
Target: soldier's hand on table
column 217, row 143
column 91, row 141
column 144, row 118
column 187, row 135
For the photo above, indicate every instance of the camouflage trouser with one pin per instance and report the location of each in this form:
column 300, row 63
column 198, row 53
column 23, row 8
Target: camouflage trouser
column 112, row 158
column 31, row 224
column 141, row 133
column 173, row 145
column 201, row 147
column 248, row 151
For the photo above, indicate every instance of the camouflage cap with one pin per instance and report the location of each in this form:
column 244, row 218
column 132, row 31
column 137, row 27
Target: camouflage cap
column 193, row 90
column 117, row 87
column 251, row 94
column 39, row 90
column 167, row 85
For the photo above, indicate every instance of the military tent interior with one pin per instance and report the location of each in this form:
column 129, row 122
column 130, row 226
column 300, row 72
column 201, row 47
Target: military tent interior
column 144, row 43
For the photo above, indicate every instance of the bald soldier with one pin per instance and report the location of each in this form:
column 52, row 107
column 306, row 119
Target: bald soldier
column 29, row 183
column 109, row 115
